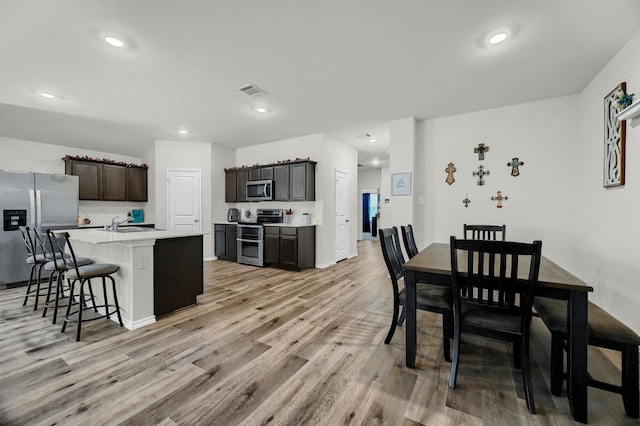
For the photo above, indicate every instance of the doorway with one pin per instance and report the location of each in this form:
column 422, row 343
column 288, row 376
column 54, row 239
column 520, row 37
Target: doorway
column 370, row 214
column 184, row 199
column 342, row 215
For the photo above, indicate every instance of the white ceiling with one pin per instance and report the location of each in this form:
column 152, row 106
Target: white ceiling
column 340, row 67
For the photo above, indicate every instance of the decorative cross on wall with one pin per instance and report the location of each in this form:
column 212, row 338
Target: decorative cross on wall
column 514, row 164
column 450, row 170
column 481, row 173
column 466, row 200
column 480, row 150
column 499, row 199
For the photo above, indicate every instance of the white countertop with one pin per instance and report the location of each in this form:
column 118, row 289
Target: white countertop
column 99, row 236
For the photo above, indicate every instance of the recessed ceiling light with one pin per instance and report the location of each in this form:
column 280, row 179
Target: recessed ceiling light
column 497, row 38
column 262, row 109
column 183, row 132
column 372, row 140
column 47, row 95
column 374, row 161
column 113, row 41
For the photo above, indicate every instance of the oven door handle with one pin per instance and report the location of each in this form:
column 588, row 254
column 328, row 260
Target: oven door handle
column 244, row 240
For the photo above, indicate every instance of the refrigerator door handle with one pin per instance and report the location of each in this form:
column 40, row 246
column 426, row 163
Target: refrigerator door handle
column 32, row 202
column 38, row 208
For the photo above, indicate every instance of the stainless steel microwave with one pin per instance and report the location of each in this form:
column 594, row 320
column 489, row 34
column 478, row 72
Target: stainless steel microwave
column 259, row 190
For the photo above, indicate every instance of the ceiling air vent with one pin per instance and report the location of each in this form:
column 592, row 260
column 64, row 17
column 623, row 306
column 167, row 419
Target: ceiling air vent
column 364, row 136
column 252, row 90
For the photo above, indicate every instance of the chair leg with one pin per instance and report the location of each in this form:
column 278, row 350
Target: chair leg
column 556, row 364
column 453, row 375
column 39, row 277
column 526, row 374
column 59, row 291
column 403, row 315
column 48, row 298
column 66, row 316
column 82, row 283
column 630, row 392
column 517, row 355
column 446, row 335
column 93, row 299
column 106, row 299
column 115, row 299
column 394, row 320
column 31, row 277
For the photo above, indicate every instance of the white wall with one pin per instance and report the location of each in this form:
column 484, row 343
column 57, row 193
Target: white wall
column 330, row 154
column 28, row 156
column 221, row 157
column 609, row 247
column 589, row 230
column 542, row 200
column 165, row 155
column 400, row 210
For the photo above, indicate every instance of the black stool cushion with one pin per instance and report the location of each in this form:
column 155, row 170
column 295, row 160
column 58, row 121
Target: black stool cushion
column 82, row 261
column 92, row 271
column 602, row 326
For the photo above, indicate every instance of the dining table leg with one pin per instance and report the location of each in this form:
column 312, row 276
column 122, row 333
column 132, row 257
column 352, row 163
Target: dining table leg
column 411, row 317
column 577, row 354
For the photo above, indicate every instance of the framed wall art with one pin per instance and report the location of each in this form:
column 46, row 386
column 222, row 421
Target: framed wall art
column 401, row 184
column 614, row 139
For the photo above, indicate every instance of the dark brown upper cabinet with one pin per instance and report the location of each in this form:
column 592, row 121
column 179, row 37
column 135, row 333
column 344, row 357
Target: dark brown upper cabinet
column 108, row 182
column 138, row 184
column 294, row 181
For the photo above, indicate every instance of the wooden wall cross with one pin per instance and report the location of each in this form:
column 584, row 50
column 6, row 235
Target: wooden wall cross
column 480, row 150
column 499, row 199
column 514, row 164
column 481, row 173
column 450, row 170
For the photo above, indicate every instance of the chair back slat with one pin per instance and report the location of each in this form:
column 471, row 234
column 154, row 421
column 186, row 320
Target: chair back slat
column 491, row 277
column 485, row 232
column 28, row 240
column 409, row 240
column 392, row 258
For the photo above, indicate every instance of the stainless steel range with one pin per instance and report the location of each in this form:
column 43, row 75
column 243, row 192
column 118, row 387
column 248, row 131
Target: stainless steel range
column 251, row 237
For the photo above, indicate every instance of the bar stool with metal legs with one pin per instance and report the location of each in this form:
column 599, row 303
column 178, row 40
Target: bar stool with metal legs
column 81, row 276
column 57, row 267
column 37, row 262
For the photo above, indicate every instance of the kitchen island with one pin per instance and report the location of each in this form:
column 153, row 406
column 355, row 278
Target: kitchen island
column 160, row 271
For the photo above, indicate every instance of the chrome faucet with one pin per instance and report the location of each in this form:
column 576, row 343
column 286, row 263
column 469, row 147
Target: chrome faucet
column 114, row 225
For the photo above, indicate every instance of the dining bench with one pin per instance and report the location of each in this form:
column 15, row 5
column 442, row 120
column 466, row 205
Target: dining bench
column 604, row 331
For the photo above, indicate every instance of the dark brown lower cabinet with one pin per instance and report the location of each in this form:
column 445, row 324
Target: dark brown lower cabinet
column 290, row 247
column 178, row 275
column 225, row 242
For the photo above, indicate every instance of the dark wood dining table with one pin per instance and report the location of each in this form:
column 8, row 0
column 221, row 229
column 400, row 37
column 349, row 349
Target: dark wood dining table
column 433, row 265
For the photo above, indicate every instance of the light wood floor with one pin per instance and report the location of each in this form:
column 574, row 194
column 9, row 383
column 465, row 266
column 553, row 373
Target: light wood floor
column 265, row 346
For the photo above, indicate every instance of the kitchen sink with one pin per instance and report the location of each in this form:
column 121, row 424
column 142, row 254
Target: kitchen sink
column 131, row 229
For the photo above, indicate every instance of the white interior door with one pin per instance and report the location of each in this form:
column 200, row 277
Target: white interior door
column 342, row 215
column 184, row 200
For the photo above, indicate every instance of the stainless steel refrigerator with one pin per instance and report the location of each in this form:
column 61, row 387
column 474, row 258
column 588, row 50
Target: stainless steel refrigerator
column 38, row 200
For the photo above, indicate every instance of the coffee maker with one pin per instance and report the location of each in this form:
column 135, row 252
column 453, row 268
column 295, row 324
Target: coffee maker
column 233, row 215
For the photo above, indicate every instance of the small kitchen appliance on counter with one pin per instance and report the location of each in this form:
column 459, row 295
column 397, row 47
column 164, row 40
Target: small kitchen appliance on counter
column 233, row 215
column 137, row 215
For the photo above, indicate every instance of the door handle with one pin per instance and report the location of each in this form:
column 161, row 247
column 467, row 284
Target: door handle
column 195, row 220
column 346, row 220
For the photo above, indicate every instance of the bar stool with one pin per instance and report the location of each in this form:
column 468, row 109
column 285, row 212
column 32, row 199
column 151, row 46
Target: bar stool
column 57, row 266
column 37, row 262
column 81, row 276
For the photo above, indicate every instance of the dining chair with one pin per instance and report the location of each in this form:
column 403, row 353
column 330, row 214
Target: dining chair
column 492, row 296
column 409, row 240
column 485, row 232
column 429, row 297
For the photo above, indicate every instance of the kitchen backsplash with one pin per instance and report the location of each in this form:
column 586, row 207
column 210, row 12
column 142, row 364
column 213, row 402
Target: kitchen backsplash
column 101, row 213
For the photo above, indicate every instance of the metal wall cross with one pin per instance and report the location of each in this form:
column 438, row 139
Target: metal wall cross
column 499, row 199
column 514, row 164
column 481, row 173
column 466, row 200
column 480, row 150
